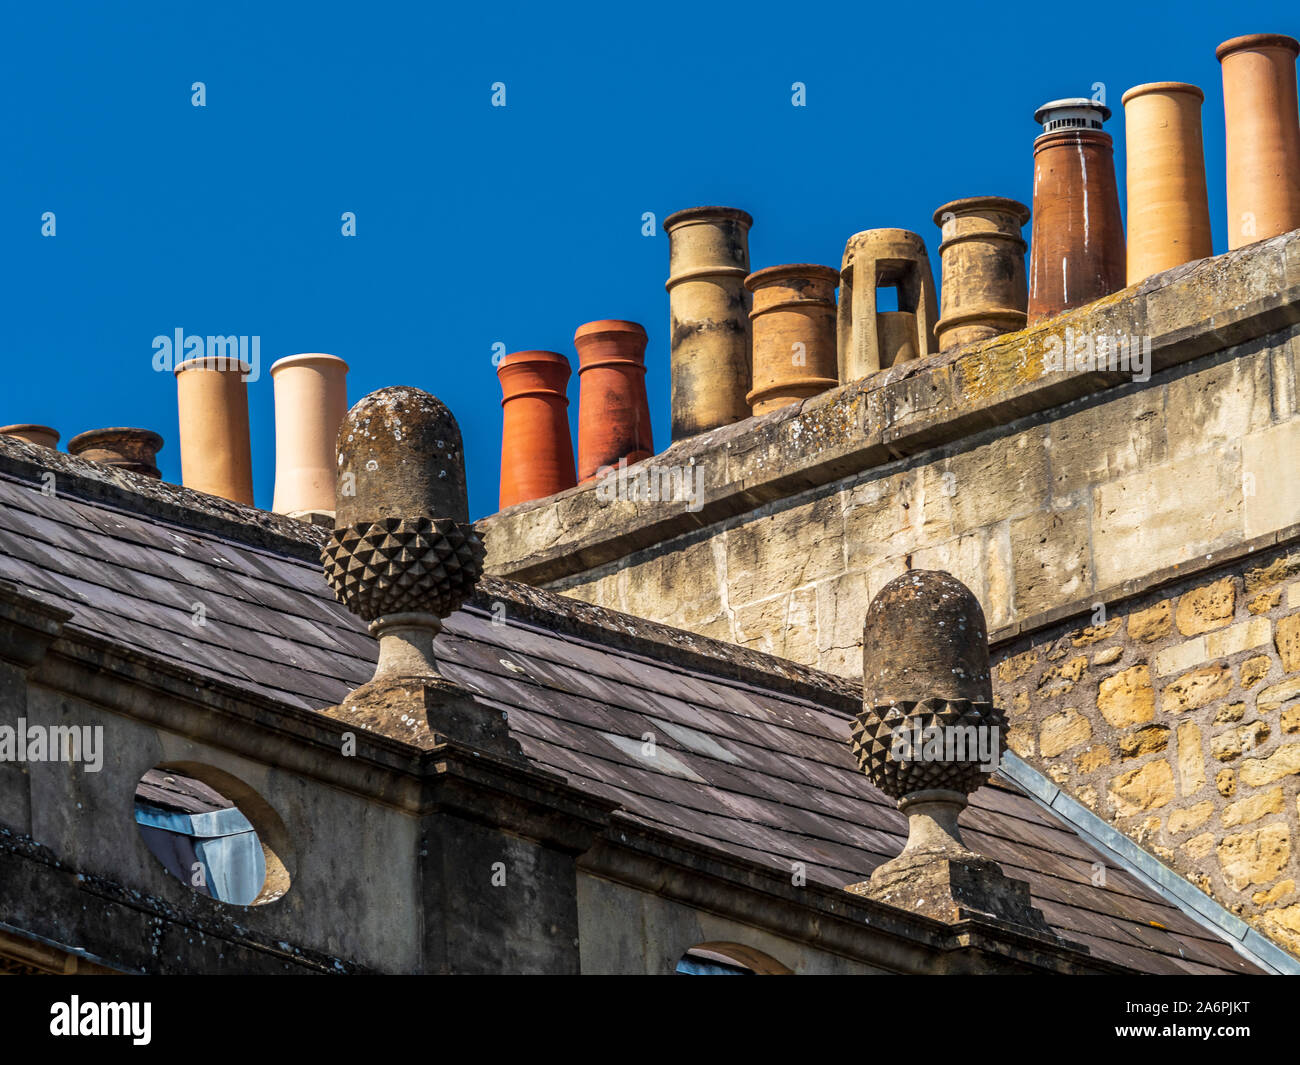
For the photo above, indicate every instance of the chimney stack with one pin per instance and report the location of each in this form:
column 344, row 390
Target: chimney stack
column 536, row 449
column 793, row 323
column 40, row 435
column 613, row 409
column 926, row 684
column 982, row 256
column 867, row 340
column 127, row 449
column 215, row 453
column 310, row 403
column 709, row 337
column 1263, row 137
column 1168, row 210
column 1076, row 252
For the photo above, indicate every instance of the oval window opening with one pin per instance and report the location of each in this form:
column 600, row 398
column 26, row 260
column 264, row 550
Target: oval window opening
column 205, row 840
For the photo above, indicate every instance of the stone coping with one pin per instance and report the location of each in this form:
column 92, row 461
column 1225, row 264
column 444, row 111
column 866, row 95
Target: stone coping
column 1188, row 312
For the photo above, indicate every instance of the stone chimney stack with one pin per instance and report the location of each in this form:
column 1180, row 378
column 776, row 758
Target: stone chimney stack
column 403, row 556
column 311, row 399
column 216, row 456
column 709, row 333
column 929, row 735
column 1263, row 138
column 1076, row 251
column 127, row 449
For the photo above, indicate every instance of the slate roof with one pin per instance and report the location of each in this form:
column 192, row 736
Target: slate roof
column 752, row 757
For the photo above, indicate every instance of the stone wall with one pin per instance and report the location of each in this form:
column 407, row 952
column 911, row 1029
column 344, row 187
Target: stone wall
column 1176, row 716
column 1037, row 516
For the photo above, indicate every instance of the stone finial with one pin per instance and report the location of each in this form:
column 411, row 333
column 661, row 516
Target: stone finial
column 403, row 554
column 928, row 735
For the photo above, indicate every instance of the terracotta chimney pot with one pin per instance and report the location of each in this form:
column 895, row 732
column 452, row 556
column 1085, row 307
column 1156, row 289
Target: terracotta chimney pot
column 127, row 449
column 536, row 450
column 709, row 339
column 1076, row 253
column 310, row 403
column 793, row 321
column 40, row 435
column 613, row 409
column 216, row 456
column 982, row 255
column 1263, row 137
column 1168, row 209
column 873, row 258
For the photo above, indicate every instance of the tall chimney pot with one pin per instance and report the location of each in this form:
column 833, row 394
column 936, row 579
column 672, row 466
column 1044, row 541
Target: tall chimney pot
column 216, row 456
column 613, row 409
column 310, row 404
column 709, row 334
column 1263, row 136
column 536, row 449
column 1076, row 252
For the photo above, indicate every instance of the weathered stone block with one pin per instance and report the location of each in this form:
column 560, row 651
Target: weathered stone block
column 1198, row 688
column 1245, row 811
column 1288, row 642
column 1283, row 762
column 1193, row 817
column 1147, row 740
column 1062, row 731
column 1191, row 759
column 1148, row 787
column 1210, row 607
column 1151, row 624
column 1051, row 555
column 1255, row 857
column 1272, row 491
column 1127, row 698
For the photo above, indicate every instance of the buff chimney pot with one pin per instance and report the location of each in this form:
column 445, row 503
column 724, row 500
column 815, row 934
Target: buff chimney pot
column 897, row 336
column 982, row 256
column 125, row 448
column 216, row 456
column 310, row 403
column 1076, row 252
column 874, row 258
column 793, row 321
column 709, row 337
column 536, row 450
column 613, row 409
column 40, row 435
column 1168, row 209
column 1263, row 136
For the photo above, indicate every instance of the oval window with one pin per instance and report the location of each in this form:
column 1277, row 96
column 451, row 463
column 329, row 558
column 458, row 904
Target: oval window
column 204, row 839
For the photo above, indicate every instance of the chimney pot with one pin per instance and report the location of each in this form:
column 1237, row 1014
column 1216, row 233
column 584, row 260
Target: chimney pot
column 709, row 329
column 216, row 456
column 1168, row 208
column 982, row 256
column 1263, row 136
column 613, row 408
column 1076, row 252
column 873, row 258
column 793, row 322
column 536, row 449
column 125, row 448
column 310, row 404
column 40, row 435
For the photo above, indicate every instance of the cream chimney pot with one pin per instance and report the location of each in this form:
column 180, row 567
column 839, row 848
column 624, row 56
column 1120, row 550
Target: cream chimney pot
column 311, row 401
column 215, row 452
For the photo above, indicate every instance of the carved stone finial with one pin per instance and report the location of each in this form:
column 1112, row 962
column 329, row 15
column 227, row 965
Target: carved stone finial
column 928, row 735
column 403, row 554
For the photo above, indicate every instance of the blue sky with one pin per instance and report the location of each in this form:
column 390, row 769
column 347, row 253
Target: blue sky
column 478, row 224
